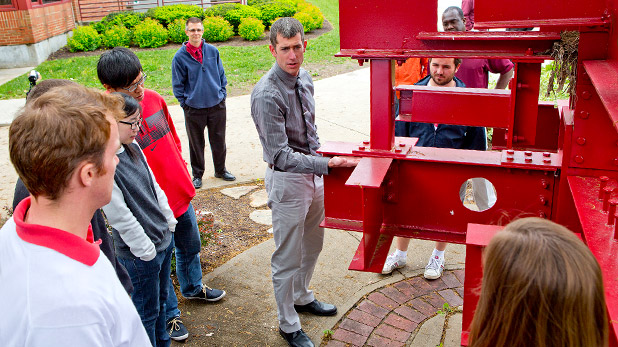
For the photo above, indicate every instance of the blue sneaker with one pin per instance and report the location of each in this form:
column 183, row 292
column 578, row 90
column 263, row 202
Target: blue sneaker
column 177, row 330
column 209, row 294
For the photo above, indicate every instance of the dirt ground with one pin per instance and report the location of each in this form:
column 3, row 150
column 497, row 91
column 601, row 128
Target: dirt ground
column 232, row 231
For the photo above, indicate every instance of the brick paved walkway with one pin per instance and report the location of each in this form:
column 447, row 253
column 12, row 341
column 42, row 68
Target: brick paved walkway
column 391, row 315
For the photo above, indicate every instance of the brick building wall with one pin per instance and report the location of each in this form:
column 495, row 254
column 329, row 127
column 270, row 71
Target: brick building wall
column 33, row 25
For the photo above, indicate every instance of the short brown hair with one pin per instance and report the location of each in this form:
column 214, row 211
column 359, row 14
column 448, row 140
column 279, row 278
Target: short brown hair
column 287, row 27
column 193, row 20
column 541, row 287
column 45, row 86
column 456, row 61
column 56, row 132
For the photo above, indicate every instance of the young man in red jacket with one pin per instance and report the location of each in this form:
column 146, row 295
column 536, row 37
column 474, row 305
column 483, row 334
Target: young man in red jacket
column 120, row 70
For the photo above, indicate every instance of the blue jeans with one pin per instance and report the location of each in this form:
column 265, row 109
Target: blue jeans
column 186, row 240
column 151, row 282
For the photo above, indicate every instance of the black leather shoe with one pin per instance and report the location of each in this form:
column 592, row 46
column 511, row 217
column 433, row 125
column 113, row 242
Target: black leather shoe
column 226, row 175
column 317, row 308
column 197, row 183
column 297, row 338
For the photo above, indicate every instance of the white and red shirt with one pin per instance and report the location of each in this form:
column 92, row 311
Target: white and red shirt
column 57, row 289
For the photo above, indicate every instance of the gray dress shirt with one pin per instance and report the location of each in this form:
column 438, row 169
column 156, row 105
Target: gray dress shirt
column 289, row 140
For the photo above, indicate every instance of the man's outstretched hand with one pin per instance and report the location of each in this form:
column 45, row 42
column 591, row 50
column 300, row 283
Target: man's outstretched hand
column 343, row 161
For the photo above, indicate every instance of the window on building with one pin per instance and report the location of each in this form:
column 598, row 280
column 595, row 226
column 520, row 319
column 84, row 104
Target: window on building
column 5, row 3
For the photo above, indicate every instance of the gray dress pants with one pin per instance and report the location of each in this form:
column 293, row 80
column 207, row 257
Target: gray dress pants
column 297, row 204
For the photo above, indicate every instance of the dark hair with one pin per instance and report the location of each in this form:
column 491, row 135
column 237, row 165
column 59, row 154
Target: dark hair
column 541, row 287
column 118, row 67
column 131, row 105
column 45, row 86
column 455, row 8
column 193, row 20
column 287, row 27
column 456, row 61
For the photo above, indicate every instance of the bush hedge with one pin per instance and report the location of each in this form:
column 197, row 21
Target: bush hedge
column 176, row 31
column 85, row 38
column 273, row 10
column 150, row 33
column 220, row 10
column 244, row 11
column 305, row 19
column 314, row 12
column 115, row 36
column 251, row 29
column 167, row 14
column 217, row 29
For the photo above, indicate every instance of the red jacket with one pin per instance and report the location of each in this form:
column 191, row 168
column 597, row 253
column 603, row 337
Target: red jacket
column 161, row 146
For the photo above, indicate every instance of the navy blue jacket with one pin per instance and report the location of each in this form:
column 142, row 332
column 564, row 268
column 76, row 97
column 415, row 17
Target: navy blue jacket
column 445, row 136
column 198, row 85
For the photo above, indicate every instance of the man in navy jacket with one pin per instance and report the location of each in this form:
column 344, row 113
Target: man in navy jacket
column 442, row 74
column 199, row 81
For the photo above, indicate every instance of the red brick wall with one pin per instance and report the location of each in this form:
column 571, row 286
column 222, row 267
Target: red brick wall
column 36, row 24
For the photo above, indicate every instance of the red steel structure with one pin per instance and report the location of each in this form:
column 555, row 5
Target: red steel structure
column 558, row 162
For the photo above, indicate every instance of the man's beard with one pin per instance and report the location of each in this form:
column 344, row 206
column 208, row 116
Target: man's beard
column 445, row 82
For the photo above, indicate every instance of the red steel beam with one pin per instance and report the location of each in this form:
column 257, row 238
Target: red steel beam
column 457, row 106
column 599, row 237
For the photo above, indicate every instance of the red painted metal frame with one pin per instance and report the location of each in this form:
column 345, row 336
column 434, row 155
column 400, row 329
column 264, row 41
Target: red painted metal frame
column 550, row 156
column 477, row 238
column 461, row 106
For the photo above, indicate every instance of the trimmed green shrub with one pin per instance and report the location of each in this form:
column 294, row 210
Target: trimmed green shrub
column 85, row 38
column 116, row 36
column 305, row 19
column 217, row 29
column 290, row 3
column 244, row 11
column 314, row 12
column 167, row 14
column 273, row 10
column 220, row 10
column 251, row 29
column 149, row 33
column 127, row 19
column 99, row 26
column 176, row 31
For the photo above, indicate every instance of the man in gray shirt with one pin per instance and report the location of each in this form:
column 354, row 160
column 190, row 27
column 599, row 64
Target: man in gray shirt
column 283, row 110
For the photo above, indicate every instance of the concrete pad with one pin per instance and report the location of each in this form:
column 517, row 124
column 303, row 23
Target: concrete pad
column 342, row 114
column 452, row 337
column 9, row 74
column 237, row 192
column 258, row 198
column 264, row 217
column 430, row 332
column 9, row 110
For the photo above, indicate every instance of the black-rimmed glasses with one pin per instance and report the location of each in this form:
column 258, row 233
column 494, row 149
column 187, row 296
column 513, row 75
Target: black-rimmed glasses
column 134, row 86
column 134, row 125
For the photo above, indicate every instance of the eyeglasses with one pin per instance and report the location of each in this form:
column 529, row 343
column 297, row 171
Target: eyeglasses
column 134, row 86
column 134, row 125
column 195, row 30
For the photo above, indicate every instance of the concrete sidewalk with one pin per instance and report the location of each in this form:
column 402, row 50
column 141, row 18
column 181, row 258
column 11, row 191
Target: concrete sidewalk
column 248, row 315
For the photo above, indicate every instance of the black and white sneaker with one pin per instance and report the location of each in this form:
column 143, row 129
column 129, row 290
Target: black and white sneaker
column 209, row 294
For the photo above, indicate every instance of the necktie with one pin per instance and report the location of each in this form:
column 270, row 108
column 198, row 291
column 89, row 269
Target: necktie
column 310, row 132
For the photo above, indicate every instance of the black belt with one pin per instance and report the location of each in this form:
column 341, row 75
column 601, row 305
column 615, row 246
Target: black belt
column 271, row 166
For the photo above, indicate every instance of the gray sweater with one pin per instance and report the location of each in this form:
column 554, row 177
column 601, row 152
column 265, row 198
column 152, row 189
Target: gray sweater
column 141, row 219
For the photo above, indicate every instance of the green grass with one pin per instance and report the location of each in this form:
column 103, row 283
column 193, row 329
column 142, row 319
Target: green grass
column 243, row 65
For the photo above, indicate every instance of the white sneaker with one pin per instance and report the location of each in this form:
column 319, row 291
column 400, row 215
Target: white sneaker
column 433, row 270
column 393, row 262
